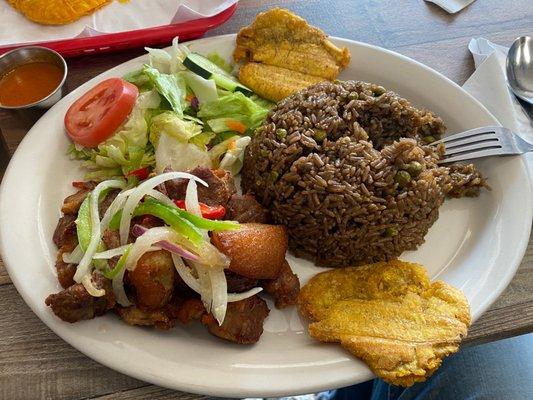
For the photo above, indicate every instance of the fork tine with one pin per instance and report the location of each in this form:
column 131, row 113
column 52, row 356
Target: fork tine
column 472, row 148
column 488, row 137
column 475, row 154
column 471, row 132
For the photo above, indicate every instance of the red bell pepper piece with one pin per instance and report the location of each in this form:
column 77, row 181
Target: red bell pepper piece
column 209, row 212
column 79, row 184
column 141, row 173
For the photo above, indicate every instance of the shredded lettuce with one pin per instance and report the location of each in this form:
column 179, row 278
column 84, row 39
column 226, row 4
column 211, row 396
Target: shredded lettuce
column 159, row 59
column 139, row 79
column 171, row 87
column 171, row 124
column 219, row 125
column 220, row 62
column 202, row 140
column 179, row 155
column 236, row 106
column 205, row 90
column 233, row 159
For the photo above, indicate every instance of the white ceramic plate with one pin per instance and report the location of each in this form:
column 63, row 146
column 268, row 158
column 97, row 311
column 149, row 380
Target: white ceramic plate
column 476, row 245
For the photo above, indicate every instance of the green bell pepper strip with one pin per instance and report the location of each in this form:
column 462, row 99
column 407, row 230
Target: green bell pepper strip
column 83, row 223
column 83, row 226
column 171, row 218
column 114, row 223
column 182, row 221
column 199, row 222
column 112, row 273
column 165, row 213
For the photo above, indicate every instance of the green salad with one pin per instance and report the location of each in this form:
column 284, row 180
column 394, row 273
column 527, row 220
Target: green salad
column 191, row 111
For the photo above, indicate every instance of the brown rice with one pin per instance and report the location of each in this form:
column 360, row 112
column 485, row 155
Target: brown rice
column 346, row 168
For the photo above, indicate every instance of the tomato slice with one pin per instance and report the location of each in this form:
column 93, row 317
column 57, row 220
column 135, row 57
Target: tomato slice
column 97, row 114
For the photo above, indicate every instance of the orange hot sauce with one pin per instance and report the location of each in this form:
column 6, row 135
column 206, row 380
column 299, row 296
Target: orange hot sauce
column 28, row 83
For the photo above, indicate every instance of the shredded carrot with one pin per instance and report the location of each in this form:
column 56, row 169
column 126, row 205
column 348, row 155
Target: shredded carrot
column 189, row 97
column 232, row 145
column 236, row 126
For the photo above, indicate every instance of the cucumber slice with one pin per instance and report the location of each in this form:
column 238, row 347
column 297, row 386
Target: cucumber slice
column 208, row 70
column 202, row 66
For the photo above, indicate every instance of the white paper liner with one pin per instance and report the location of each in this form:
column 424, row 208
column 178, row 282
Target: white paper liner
column 112, row 18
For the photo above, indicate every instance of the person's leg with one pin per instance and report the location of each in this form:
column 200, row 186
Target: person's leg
column 499, row 370
column 362, row 391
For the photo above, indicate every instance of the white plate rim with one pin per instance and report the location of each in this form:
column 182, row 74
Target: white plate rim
column 230, row 391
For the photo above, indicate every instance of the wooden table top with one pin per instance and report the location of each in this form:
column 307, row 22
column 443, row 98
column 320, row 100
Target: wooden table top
column 36, row 364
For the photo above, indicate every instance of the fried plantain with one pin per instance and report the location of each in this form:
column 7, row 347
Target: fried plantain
column 280, row 38
column 384, row 280
column 274, row 83
column 56, row 12
column 389, row 315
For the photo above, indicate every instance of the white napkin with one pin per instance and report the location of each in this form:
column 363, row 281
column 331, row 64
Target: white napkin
column 452, row 6
column 488, row 84
column 114, row 17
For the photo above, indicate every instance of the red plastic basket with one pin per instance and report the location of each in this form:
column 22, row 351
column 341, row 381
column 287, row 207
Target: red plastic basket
column 141, row 37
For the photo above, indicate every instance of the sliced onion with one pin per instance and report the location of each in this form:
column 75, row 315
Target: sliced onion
column 232, row 297
column 115, row 207
column 85, row 263
column 74, row 257
column 191, row 199
column 118, row 289
column 151, row 237
column 105, row 255
column 185, row 273
column 163, row 198
column 140, row 191
column 88, row 284
column 139, row 230
column 206, row 289
column 219, row 290
column 205, row 252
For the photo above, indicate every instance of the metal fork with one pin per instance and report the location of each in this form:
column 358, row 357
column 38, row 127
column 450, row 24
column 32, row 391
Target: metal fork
column 482, row 142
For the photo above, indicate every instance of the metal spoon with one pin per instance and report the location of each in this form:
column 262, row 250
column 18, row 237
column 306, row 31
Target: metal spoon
column 519, row 68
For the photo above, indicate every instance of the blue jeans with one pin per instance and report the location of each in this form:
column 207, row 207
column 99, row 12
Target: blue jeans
column 500, row 370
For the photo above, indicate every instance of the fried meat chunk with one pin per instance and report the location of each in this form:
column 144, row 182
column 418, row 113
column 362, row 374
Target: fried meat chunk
column 243, row 323
column 285, row 288
column 65, row 271
column 153, row 279
column 75, row 303
column 72, row 203
column 65, row 232
column 136, row 316
column 221, row 186
column 245, row 208
column 238, row 283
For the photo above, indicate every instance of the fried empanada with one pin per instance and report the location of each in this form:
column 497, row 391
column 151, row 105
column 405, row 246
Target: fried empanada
column 56, row 12
column 389, row 315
